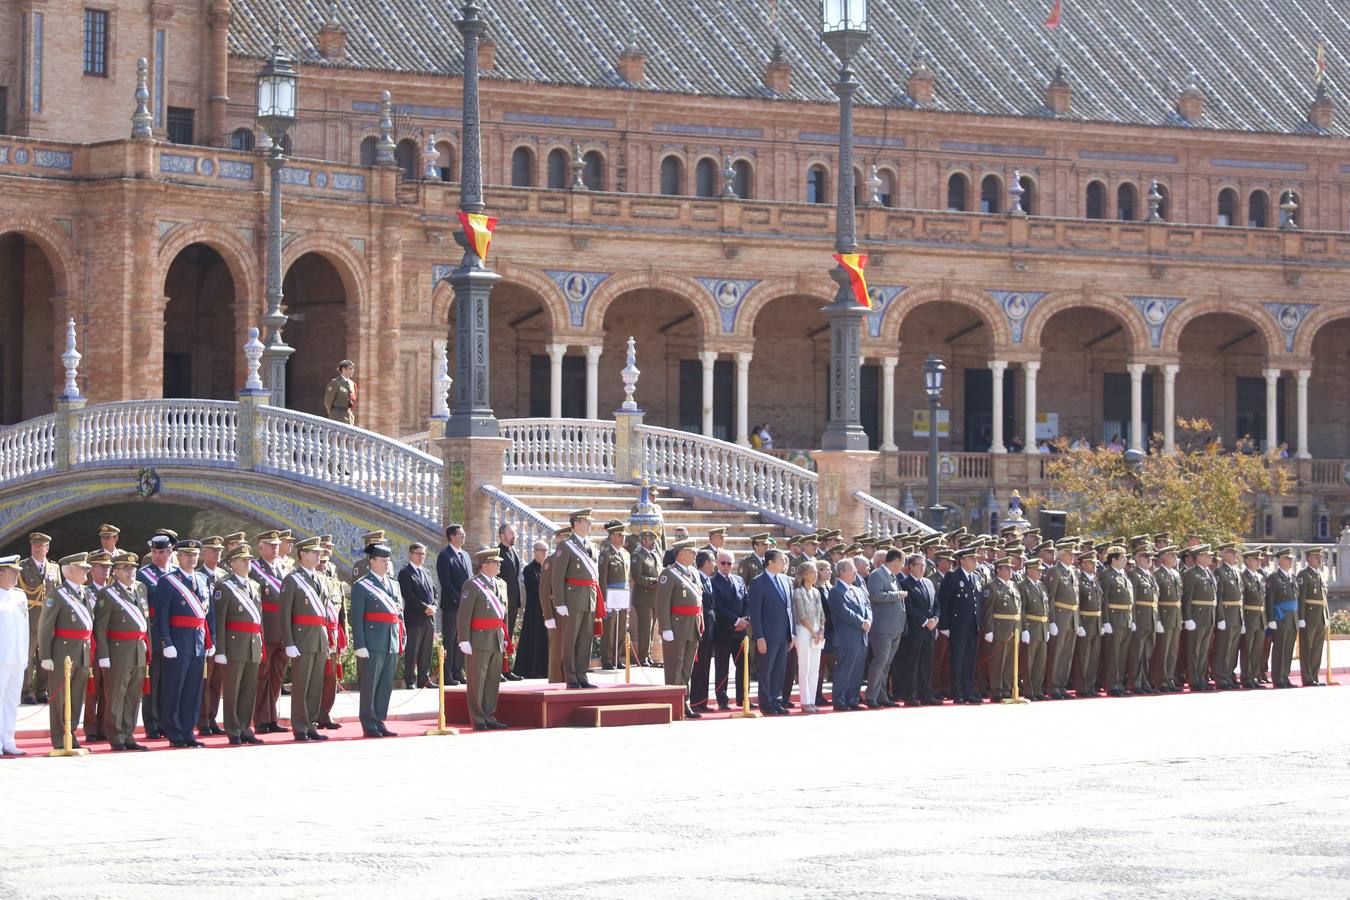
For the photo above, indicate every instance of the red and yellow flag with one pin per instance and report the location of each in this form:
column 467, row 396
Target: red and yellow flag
column 1052, row 20
column 478, row 229
column 855, row 263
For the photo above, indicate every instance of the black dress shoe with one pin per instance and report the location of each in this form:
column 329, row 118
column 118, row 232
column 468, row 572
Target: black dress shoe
column 118, row 748
column 573, row 686
column 301, row 736
column 872, row 704
column 315, row 736
column 931, row 701
column 203, row 732
column 250, row 738
column 912, row 704
column 329, row 726
column 690, row 714
column 512, row 676
column 28, row 700
column 236, row 741
column 723, row 705
column 371, row 734
column 216, row 729
column 193, row 743
column 587, row 684
column 177, row 744
column 153, row 734
column 889, row 703
column 41, row 699
column 385, row 732
column 482, row 726
column 974, row 701
column 606, row 667
column 497, row 726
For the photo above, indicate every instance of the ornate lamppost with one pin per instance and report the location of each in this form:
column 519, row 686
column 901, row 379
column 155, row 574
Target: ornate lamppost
column 933, row 372
column 277, row 93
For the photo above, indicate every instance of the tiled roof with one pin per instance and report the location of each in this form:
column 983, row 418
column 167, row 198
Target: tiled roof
column 1127, row 60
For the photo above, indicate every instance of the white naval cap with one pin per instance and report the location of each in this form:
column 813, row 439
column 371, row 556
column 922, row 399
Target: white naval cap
column 10, row 562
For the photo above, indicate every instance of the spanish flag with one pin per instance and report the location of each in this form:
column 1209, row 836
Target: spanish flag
column 478, row 230
column 1052, row 20
column 855, row 263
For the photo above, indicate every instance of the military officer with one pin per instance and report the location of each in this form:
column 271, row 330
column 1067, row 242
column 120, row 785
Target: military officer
column 305, row 623
column 232, row 540
column 575, row 593
column 339, row 397
column 122, row 636
column 236, row 600
column 1061, row 589
column 645, row 572
column 211, row 571
column 1312, row 617
column 96, row 697
column 614, row 565
column 184, row 627
column 1228, row 617
column 717, row 539
column 107, row 539
column 1000, row 620
column 1035, row 627
column 149, row 574
column 1198, row 604
column 285, row 561
column 752, row 564
column 64, row 632
column 482, row 629
column 362, row 566
column 1253, row 642
column 336, row 592
column 958, row 621
column 679, row 611
column 1282, row 606
column 1087, row 649
column 1118, row 620
column 379, row 634
column 546, row 607
column 39, row 578
column 1138, row 676
column 266, row 573
column 1163, row 664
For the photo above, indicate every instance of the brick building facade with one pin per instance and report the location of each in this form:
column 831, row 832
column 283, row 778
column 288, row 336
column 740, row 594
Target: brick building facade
column 1074, row 313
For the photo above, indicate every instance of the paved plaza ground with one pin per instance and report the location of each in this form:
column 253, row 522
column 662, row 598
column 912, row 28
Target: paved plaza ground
column 1218, row 795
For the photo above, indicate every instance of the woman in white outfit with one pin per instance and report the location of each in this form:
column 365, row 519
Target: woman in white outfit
column 13, row 650
column 809, row 614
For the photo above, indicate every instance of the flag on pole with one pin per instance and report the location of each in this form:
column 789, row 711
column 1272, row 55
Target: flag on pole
column 1321, row 61
column 478, row 230
column 1052, row 20
column 855, row 263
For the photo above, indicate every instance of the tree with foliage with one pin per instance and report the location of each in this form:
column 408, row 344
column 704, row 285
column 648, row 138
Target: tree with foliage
column 1200, row 489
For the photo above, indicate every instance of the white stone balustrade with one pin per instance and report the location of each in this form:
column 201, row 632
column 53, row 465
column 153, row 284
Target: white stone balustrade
column 883, row 519
column 529, row 525
column 135, row 432
column 560, row 448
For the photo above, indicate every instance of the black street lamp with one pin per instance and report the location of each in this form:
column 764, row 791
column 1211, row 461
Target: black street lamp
column 843, row 26
column 472, row 280
column 277, row 92
column 933, row 371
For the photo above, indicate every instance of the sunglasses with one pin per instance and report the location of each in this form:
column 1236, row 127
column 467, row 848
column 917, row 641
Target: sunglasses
column 725, row 564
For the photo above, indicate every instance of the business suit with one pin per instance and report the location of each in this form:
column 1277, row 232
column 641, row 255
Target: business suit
column 849, row 610
column 419, row 598
column 888, row 627
column 511, row 576
column 453, row 569
column 915, row 658
column 959, row 602
column 770, row 605
column 730, row 603
column 698, row 678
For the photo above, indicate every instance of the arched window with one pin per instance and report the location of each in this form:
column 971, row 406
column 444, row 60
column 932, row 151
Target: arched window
column 558, row 164
column 1165, row 204
column 672, row 176
column 1028, row 195
column 1258, row 210
column 991, row 194
column 242, row 139
column 886, row 193
column 408, row 154
column 1127, row 203
column 744, row 182
column 445, row 161
column 958, row 192
column 522, row 167
column 593, row 170
column 368, row 150
column 1096, row 200
column 705, row 178
column 816, row 191
column 1228, row 201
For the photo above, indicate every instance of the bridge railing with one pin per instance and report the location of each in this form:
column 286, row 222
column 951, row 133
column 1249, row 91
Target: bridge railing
column 28, row 448
column 201, row 431
column 883, row 519
column 529, row 525
column 566, row 448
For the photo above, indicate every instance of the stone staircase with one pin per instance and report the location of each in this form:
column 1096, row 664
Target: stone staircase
column 554, row 498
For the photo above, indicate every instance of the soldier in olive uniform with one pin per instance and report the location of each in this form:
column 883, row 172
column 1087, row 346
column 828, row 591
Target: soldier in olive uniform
column 39, row 578
column 122, row 636
column 614, row 564
column 1228, row 617
column 679, row 610
column 337, row 591
column 1138, row 677
column 379, row 633
column 339, row 397
column 1253, row 617
column 237, row 601
column 1164, row 662
column 64, row 632
column 1087, row 649
column 362, row 566
column 1000, row 620
column 304, row 620
column 267, row 574
column 1061, row 589
column 1199, row 592
column 96, row 695
column 482, row 629
column 1118, row 619
column 551, row 625
column 211, row 571
column 752, row 564
column 1312, row 618
column 645, row 569
column 1282, row 607
column 1035, row 627
column 576, row 586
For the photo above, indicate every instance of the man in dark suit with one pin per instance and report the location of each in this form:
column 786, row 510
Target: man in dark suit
column 959, row 622
column 771, row 617
column 512, row 573
column 914, row 663
column 731, row 617
column 453, row 568
column 698, row 681
column 420, row 600
column 851, row 615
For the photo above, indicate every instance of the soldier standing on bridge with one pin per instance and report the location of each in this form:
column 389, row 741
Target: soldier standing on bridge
column 339, row 397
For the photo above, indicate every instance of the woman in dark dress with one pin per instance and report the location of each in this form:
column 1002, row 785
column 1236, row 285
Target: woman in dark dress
column 532, row 654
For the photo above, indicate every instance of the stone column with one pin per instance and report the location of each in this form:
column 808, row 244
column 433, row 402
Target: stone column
column 1272, row 386
column 743, row 398
column 593, row 381
column 556, row 352
column 1136, row 371
column 1170, row 407
column 470, row 463
column 1303, row 451
column 998, row 367
column 709, row 359
column 1029, row 370
column 888, row 364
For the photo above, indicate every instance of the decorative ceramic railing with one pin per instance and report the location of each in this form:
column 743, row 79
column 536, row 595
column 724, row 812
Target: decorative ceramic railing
column 529, row 525
column 361, row 461
column 419, row 441
column 565, row 448
column 731, row 474
column 135, row 431
column 884, row 519
column 28, row 448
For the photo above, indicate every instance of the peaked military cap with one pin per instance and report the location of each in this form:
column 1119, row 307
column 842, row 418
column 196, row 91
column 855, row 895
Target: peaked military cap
column 235, row 537
column 10, row 562
column 614, row 526
column 123, row 558
column 578, row 515
column 214, row 542
column 372, row 537
column 106, row 530
column 309, row 543
column 100, row 558
column 38, row 537
column 76, row 559
column 717, row 529
column 267, row 537
column 242, row 551
column 188, row 545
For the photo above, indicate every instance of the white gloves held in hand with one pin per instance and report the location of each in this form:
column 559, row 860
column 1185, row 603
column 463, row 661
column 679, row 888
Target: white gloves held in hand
column 466, row 648
column 1082, row 632
column 946, row 632
column 221, row 660
column 1026, row 637
column 988, row 637
column 170, row 652
column 105, row 663
column 362, row 653
column 1190, row 624
column 1134, row 626
column 1302, row 623
column 1107, row 629
column 560, row 610
column 667, row 635
column 1158, row 627
column 48, row 665
column 1222, row 625
column 292, row 651
column 550, row 624
column 1054, row 630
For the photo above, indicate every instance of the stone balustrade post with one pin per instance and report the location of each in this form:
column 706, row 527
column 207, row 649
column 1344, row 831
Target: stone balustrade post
column 627, row 446
column 842, row 474
column 248, row 439
column 67, row 415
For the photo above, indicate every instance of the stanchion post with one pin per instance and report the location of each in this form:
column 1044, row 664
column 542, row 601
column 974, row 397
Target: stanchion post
column 440, row 728
column 746, row 712
column 627, row 651
column 1329, row 642
column 1017, row 652
column 68, row 740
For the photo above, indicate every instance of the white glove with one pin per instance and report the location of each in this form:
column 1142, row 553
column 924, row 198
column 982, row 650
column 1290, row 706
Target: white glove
column 1026, row 637
column 48, row 665
column 170, row 652
column 210, row 651
column 667, row 635
column 105, row 663
column 466, row 648
column 988, row 637
column 1158, row 627
column 550, row 624
column 221, row 660
column 1222, row 626
column 560, row 610
column 362, row 653
column 1244, row 628
column 946, row 632
column 292, row 651
column 1054, row 629
column 1082, row 632
column 1134, row 626
column 1302, row 623
column 1107, row 629
column 1190, row 624
column 1047, row 637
